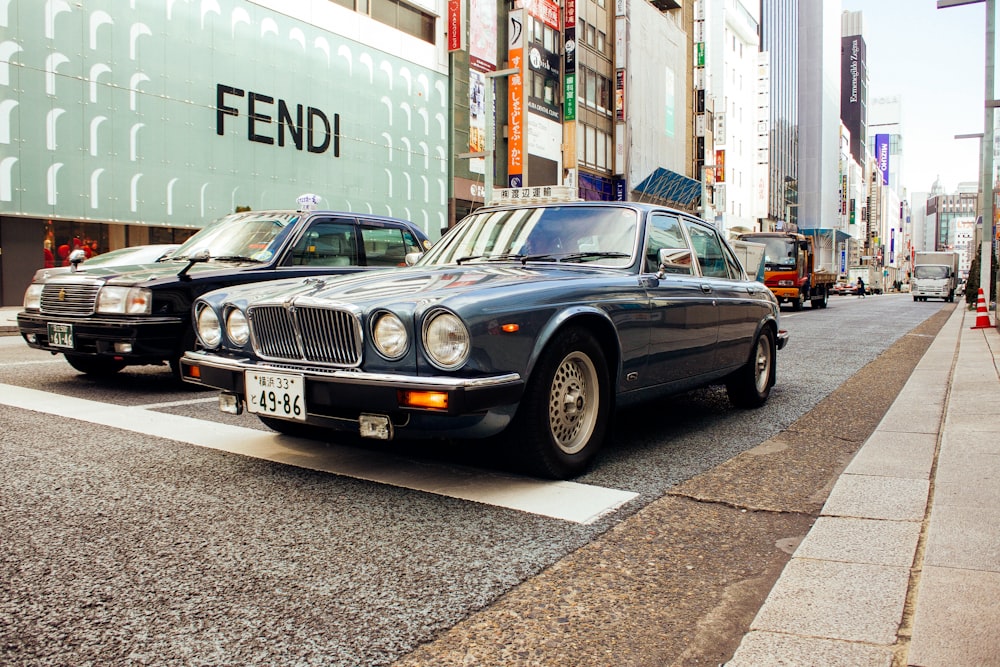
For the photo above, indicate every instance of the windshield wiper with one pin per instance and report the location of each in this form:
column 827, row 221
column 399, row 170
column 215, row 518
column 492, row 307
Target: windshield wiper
column 236, row 258
column 582, row 256
column 491, row 258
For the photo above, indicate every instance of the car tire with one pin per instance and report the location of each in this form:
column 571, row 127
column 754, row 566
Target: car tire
column 799, row 301
column 750, row 386
column 96, row 366
column 563, row 416
column 822, row 299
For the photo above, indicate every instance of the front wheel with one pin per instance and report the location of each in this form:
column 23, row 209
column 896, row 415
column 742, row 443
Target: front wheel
column 750, row 386
column 97, row 366
column 563, row 416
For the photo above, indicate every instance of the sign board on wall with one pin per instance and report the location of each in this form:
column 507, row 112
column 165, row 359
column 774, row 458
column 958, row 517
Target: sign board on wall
column 515, row 100
column 244, row 130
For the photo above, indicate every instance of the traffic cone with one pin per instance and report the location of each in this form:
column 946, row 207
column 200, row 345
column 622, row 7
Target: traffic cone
column 982, row 314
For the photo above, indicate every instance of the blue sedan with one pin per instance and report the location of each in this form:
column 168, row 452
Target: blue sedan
column 532, row 321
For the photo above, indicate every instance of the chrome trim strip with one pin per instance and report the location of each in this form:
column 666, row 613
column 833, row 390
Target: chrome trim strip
column 354, row 376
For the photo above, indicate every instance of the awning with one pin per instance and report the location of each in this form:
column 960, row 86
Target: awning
column 670, row 186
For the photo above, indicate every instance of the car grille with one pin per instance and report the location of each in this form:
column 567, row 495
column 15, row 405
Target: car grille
column 69, row 299
column 306, row 333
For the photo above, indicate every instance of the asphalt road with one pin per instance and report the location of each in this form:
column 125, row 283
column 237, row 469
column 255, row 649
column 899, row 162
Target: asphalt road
column 126, row 539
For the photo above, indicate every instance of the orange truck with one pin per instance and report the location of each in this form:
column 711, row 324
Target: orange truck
column 791, row 269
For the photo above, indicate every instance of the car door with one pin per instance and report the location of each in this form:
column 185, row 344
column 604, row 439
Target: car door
column 327, row 241
column 683, row 317
column 732, row 294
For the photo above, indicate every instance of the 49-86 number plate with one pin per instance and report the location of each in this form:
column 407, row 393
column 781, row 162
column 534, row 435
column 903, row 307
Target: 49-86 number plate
column 275, row 394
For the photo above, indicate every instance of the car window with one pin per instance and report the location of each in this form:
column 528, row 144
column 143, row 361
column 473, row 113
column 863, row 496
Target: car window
column 388, row 246
column 708, row 251
column 665, row 234
column 327, row 242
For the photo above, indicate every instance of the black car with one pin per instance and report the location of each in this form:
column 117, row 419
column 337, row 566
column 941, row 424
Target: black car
column 533, row 322
column 103, row 318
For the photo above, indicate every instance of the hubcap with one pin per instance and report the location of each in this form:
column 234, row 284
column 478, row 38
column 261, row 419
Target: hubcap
column 573, row 403
column 763, row 364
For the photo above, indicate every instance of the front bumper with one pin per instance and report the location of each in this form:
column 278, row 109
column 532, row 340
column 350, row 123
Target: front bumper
column 476, row 407
column 149, row 339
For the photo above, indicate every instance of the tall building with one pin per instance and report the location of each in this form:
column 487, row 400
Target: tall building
column 780, row 44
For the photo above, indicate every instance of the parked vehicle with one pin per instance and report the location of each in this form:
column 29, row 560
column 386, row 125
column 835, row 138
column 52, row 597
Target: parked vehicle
column 935, row 276
column 534, row 321
column 872, row 275
column 791, row 269
column 131, row 256
column 104, row 318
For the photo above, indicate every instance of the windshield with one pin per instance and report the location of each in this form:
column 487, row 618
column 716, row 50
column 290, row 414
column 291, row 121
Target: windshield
column 779, row 253
column 249, row 236
column 606, row 236
column 930, row 271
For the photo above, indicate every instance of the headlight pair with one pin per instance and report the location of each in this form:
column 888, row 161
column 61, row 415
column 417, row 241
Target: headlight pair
column 209, row 328
column 445, row 337
column 111, row 300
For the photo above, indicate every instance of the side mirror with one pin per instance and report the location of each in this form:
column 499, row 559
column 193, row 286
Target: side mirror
column 196, row 257
column 674, row 260
column 412, row 257
column 76, row 257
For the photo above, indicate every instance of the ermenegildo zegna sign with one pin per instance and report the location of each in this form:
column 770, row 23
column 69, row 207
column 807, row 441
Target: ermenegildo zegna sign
column 267, row 117
column 175, row 113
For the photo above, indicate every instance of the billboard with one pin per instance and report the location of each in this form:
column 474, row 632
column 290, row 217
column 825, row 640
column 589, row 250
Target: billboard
column 175, row 113
column 882, row 156
column 854, row 92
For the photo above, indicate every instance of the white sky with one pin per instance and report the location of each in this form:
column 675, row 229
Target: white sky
column 933, row 59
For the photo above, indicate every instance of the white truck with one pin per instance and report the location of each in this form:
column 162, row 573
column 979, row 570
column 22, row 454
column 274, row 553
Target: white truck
column 935, row 276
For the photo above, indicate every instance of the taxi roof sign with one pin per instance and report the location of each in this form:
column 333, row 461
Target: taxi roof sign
column 536, row 194
column 308, row 202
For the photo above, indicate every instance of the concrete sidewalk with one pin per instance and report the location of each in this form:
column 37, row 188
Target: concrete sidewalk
column 903, row 565
column 8, row 320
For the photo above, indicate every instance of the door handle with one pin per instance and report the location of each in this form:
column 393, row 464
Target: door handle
column 706, row 288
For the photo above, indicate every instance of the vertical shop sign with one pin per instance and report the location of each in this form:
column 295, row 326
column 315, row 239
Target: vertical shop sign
column 456, row 28
column 515, row 101
column 882, row 155
column 720, row 166
column 620, row 95
column 569, row 80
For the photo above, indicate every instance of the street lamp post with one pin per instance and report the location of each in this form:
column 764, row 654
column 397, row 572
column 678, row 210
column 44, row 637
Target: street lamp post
column 490, row 131
column 986, row 150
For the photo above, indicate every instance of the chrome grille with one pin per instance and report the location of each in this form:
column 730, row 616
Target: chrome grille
column 70, row 298
column 317, row 335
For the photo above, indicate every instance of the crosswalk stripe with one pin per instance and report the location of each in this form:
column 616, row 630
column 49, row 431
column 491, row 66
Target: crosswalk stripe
column 568, row 501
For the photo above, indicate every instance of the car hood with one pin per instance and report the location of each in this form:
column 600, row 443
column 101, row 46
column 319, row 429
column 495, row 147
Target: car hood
column 427, row 285
column 142, row 274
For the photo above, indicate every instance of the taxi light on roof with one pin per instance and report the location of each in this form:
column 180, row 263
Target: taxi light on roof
column 431, row 400
column 308, row 202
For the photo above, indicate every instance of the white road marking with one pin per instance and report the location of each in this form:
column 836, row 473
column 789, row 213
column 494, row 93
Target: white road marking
column 177, row 404
column 34, row 363
column 568, row 501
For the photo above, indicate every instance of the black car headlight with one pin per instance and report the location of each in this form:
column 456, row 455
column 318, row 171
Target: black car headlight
column 208, row 327
column 446, row 339
column 121, row 300
column 237, row 327
column 389, row 335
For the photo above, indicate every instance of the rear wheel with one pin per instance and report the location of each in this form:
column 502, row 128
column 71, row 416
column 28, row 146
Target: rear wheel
column 563, row 415
column 750, row 386
column 820, row 300
column 97, row 366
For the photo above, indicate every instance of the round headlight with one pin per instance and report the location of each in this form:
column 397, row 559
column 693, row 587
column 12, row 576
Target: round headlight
column 209, row 328
column 389, row 336
column 446, row 340
column 237, row 327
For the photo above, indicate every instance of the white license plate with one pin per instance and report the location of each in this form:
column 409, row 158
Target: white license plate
column 60, row 335
column 278, row 394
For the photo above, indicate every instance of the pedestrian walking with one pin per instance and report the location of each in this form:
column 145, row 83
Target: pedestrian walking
column 861, row 288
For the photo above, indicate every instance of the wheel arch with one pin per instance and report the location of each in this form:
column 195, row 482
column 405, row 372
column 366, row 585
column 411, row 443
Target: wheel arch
column 594, row 321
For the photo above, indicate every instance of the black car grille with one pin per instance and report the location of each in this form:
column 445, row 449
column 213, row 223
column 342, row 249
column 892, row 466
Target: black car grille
column 69, row 299
column 317, row 335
